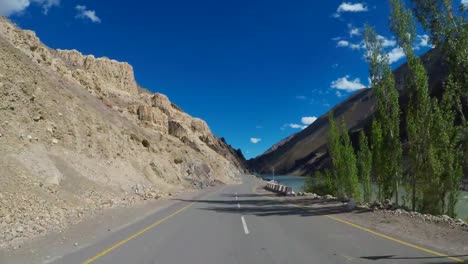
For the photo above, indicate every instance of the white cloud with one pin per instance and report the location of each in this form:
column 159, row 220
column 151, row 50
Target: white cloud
column 47, row 4
column 347, row 85
column 297, row 126
column 255, row 140
column 11, row 7
column 387, row 42
column 307, row 120
column 423, row 41
column 259, row 127
column 395, row 55
column 465, row 3
column 301, row 97
column 342, row 43
column 355, row 46
column 84, row 13
column 350, row 7
column 338, row 94
column 353, row 31
column 345, row 43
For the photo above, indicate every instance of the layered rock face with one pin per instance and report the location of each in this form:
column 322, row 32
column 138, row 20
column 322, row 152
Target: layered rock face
column 77, row 134
column 100, row 73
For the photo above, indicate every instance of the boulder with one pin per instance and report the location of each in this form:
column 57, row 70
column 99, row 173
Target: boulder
column 176, row 129
column 350, row 205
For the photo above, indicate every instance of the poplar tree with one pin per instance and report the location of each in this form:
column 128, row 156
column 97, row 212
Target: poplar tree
column 343, row 160
column 335, row 150
column 377, row 159
column 364, row 159
column 419, row 108
column 350, row 166
column 449, row 33
column 386, row 137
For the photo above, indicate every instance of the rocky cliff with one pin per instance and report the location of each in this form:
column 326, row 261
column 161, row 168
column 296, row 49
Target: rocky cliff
column 77, row 134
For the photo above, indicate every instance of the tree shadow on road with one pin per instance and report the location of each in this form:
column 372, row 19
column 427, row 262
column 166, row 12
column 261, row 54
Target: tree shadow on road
column 444, row 260
column 272, row 207
column 249, row 195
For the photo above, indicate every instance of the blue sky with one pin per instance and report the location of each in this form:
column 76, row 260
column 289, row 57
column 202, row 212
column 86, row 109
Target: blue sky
column 256, row 71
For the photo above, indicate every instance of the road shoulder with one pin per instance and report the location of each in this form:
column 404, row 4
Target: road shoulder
column 104, row 224
column 440, row 237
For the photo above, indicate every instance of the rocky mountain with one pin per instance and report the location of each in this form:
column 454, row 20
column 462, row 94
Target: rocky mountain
column 306, row 151
column 78, row 134
column 279, row 144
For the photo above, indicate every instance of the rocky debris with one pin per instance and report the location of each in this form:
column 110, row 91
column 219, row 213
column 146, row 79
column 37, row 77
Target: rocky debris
column 314, row 196
column 146, row 192
column 387, row 207
column 377, row 205
column 443, row 219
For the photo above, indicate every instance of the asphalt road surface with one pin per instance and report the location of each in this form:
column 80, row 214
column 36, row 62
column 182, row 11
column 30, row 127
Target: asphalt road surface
column 233, row 224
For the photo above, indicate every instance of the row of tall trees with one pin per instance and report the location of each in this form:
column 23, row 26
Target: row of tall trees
column 435, row 128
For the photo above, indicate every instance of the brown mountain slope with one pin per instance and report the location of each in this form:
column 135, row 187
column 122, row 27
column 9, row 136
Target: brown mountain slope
column 77, row 134
column 307, row 150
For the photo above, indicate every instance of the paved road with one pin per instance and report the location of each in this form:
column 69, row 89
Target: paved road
column 234, row 225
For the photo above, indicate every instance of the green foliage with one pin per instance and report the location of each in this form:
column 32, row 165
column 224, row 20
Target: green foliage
column 435, row 141
column 364, row 159
column 350, row 166
column 386, row 127
column 377, row 159
column 320, row 184
column 448, row 30
column 419, row 108
column 343, row 160
column 436, row 130
column 335, row 149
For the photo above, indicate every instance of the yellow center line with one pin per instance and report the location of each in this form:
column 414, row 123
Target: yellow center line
column 384, row 236
column 137, row 234
column 144, row 230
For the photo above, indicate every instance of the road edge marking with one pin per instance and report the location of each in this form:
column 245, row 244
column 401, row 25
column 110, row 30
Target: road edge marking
column 397, row 240
column 435, row 253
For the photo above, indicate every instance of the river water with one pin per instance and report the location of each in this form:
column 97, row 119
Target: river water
column 297, row 183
